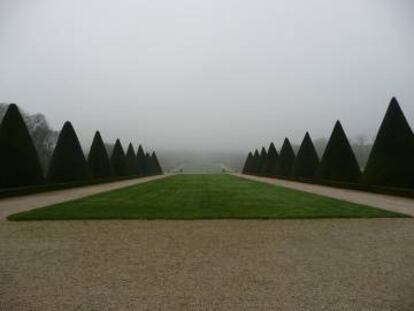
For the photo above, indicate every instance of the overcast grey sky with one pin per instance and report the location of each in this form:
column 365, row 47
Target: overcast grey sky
column 208, row 74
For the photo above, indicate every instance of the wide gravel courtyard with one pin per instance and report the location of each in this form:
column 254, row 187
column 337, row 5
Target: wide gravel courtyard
column 365, row 264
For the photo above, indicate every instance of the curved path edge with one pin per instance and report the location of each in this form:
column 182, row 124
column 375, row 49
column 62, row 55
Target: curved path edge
column 386, row 202
column 9, row 206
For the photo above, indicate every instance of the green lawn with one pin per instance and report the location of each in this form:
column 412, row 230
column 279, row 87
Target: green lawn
column 204, row 196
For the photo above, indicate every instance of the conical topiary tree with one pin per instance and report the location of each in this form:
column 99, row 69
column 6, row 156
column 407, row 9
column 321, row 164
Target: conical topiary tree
column 118, row 160
column 98, row 160
column 68, row 161
column 338, row 161
column 142, row 169
column 262, row 161
column 149, row 167
column 156, row 163
column 19, row 161
column 307, row 160
column 255, row 163
column 247, row 163
column 131, row 161
column 269, row 168
column 391, row 162
column 285, row 160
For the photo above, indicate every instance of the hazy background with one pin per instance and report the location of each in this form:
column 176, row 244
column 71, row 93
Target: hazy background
column 208, row 76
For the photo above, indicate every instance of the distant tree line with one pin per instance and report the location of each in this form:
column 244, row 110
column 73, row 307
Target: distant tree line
column 390, row 162
column 20, row 159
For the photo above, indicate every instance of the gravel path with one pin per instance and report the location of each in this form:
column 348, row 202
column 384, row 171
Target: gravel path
column 14, row 205
column 387, row 202
column 207, row 265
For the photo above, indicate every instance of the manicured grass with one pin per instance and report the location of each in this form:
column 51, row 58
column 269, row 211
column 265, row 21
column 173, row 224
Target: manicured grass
column 205, row 196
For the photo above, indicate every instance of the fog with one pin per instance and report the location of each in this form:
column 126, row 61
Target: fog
column 226, row 75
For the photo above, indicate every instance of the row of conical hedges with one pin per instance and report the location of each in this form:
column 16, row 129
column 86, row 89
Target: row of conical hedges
column 20, row 165
column 390, row 164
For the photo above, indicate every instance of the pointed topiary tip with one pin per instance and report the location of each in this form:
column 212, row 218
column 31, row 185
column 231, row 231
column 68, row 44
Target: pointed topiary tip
column 13, row 106
column 394, row 104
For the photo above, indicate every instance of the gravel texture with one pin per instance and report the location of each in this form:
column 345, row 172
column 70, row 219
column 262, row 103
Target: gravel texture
column 207, row 265
column 387, row 202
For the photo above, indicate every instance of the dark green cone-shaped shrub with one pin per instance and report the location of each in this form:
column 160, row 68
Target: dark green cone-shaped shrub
column 338, row 161
column 68, row 161
column 391, row 162
column 157, row 165
column 255, row 163
column 149, row 165
column 285, row 160
column 269, row 168
column 19, row 161
column 142, row 169
column 262, row 161
column 131, row 161
column 307, row 160
column 247, row 163
column 98, row 160
column 118, row 160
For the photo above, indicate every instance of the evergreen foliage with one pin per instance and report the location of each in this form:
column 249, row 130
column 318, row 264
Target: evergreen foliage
column 68, row 161
column 269, row 168
column 307, row 161
column 149, row 167
column 248, row 164
column 98, row 160
column 262, row 161
column 338, row 161
column 255, row 162
column 131, row 161
column 157, row 165
column 118, row 160
column 285, row 160
column 142, row 169
column 19, row 161
column 391, row 162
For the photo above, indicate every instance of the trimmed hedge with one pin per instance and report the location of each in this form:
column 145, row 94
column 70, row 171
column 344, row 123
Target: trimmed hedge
column 131, row 161
column 338, row 162
column 391, row 162
column 68, row 161
column 19, row 161
column 285, row 160
column 255, row 162
column 142, row 169
column 118, row 160
column 307, row 161
column 247, row 163
column 98, row 160
column 270, row 165
column 158, row 168
column 262, row 161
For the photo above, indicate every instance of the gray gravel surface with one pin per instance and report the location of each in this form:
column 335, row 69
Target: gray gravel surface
column 207, row 265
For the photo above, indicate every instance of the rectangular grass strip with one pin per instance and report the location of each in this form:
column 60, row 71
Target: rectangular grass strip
column 204, row 196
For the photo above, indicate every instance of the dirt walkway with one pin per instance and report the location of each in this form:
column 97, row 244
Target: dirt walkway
column 13, row 205
column 347, row 264
column 387, row 202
